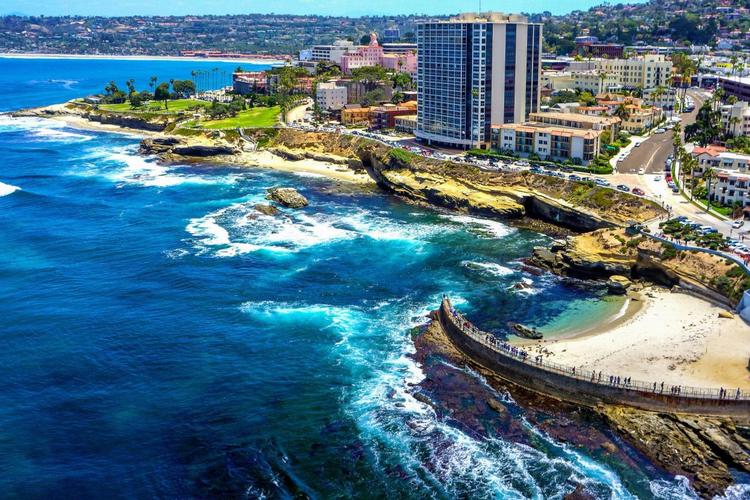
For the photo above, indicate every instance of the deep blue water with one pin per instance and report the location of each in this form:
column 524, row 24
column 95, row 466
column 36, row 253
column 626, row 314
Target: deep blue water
column 161, row 338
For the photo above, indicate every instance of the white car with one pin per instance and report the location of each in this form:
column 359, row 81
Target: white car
column 738, row 224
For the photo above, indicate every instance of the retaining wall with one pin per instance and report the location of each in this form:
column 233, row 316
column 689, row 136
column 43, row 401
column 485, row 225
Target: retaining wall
column 553, row 381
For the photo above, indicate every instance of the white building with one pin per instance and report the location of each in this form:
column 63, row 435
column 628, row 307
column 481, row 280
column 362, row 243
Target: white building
column 549, row 142
column 332, row 53
column 717, row 157
column 474, row 71
column 330, row 96
column 735, row 119
column 730, row 187
column 603, row 75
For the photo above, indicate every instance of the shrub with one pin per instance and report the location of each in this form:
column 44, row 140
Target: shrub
column 668, row 251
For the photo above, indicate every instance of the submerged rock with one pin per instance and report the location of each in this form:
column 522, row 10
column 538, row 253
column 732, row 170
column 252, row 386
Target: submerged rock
column 526, row 332
column 266, row 209
column 289, row 197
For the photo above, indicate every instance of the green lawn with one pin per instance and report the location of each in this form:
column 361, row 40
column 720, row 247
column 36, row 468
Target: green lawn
column 156, row 106
column 250, row 118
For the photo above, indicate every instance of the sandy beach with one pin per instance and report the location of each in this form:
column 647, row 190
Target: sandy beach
column 266, row 159
column 673, row 337
column 12, row 55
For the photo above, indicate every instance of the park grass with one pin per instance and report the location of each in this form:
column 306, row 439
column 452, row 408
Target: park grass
column 250, row 118
column 155, row 106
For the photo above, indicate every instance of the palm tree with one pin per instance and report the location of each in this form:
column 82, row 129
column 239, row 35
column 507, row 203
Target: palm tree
column 602, row 77
column 622, row 112
column 708, row 175
column 733, row 122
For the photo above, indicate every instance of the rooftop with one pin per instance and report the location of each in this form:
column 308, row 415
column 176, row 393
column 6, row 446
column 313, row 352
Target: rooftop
column 532, row 127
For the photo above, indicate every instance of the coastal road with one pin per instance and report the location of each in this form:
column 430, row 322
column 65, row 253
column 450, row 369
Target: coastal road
column 653, row 152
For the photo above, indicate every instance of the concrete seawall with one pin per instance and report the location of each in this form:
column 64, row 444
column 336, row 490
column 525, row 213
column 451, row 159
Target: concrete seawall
column 582, row 387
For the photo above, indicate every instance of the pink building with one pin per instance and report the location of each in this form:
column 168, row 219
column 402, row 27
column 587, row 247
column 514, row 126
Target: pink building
column 370, row 55
column 406, row 63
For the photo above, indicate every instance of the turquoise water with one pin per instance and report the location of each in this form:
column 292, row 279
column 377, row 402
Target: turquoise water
column 161, row 338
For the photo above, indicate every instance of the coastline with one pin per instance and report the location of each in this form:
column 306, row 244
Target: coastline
column 671, row 337
column 34, row 55
column 254, row 159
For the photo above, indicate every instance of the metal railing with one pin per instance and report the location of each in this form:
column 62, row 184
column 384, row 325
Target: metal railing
column 678, row 246
column 506, row 350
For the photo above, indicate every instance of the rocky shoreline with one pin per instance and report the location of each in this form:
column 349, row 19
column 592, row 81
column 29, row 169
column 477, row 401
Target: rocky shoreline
column 706, row 450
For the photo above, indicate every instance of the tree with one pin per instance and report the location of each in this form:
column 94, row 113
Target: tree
column 130, row 84
column 162, row 94
column 403, row 81
column 398, row 98
column 136, row 100
column 327, row 69
column 708, row 175
column 369, row 76
column 622, row 112
column 183, row 88
column 707, row 127
column 152, row 82
column 373, row 97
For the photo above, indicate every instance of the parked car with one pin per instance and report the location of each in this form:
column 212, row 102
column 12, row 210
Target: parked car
column 657, row 178
column 639, row 192
column 659, row 131
column 623, row 187
column 574, row 177
column 738, row 223
column 602, row 182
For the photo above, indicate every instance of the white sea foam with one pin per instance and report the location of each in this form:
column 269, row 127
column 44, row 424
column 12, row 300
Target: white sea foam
column 6, row 189
column 238, row 229
column 489, row 267
column 485, row 227
column 123, row 165
column 42, row 130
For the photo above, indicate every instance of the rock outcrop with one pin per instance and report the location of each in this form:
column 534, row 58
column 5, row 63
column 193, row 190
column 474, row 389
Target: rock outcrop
column 701, row 448
column 266, row 209
column 460, row 186
column 289, row 197
column 618, row 285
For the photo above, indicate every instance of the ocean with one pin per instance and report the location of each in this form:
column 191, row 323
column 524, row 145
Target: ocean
column 160, row 338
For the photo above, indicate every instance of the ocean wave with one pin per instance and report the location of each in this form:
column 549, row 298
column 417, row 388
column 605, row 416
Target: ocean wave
column 239, row 229
column 42, row 130
column 123, row 165
column 491, row 268
column 6, row 189
column 485, row 227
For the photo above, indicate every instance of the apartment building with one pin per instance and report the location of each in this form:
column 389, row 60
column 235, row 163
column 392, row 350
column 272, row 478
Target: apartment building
column 735, row 118
column 476, row 70
column 605, row 75
column 331, row 53
column 578, row 121
column 736, row 86
column 406, row 123
column 731, row 187
column 385, row 116
column 250, row 82
column 549, row 142
column 331, row 96
column 717, row 157
column 354, row 114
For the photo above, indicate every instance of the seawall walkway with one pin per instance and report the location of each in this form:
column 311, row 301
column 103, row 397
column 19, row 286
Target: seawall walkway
column 589, row 388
